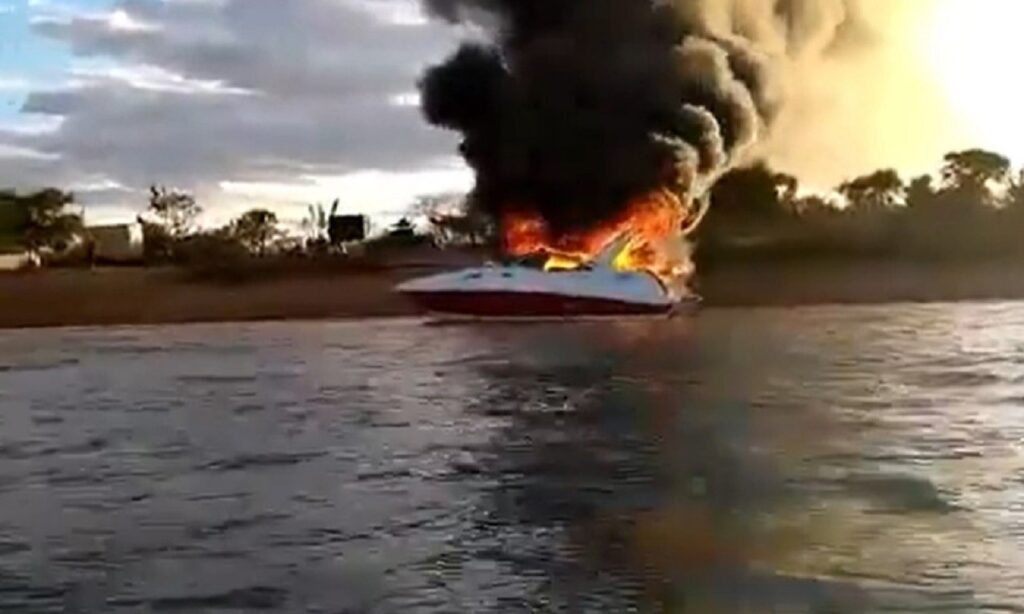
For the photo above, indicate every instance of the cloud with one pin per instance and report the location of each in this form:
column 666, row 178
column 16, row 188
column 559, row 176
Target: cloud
column 196, row 93
column 14, row 152
column 14, row 84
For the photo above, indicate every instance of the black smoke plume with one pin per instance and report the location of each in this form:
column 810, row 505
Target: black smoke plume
column 576, row 106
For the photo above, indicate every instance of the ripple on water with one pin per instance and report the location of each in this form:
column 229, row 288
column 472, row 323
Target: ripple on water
column 248, row 598
column 243, row 462
column 226, row 380
column 826, row 459
column 30, row 366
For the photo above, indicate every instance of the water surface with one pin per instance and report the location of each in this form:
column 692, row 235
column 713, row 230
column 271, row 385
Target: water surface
column 826, row 459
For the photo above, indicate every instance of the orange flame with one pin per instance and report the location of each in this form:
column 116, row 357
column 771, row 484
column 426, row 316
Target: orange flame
column 652, row 223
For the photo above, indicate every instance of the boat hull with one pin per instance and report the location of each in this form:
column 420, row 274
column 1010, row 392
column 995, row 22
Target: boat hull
column 508, row 304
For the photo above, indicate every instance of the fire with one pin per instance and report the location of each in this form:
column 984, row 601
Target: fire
column 652, row 224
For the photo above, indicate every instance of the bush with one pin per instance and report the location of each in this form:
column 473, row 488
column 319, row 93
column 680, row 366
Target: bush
column 75, row 256
column 213, row 255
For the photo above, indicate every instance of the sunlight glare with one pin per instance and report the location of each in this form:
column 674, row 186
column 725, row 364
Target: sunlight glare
column 973, row 47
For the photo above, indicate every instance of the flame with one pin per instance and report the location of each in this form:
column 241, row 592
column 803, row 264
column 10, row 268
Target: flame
column 652, row 223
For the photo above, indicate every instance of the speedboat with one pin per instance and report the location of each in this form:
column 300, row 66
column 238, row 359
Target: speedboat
column 519, row 291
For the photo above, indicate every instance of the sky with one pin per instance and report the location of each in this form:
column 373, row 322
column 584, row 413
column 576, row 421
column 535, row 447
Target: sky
column 246, row 103
column 282, row 103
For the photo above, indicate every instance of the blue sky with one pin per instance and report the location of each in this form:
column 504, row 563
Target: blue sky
column 27, row 57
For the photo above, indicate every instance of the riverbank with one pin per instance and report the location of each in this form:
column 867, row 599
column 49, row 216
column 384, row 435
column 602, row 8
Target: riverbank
column 855, row 281
column 109, row 296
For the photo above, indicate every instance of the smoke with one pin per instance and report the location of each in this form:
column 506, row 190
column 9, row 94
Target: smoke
column 575, row 106
column 872, row 99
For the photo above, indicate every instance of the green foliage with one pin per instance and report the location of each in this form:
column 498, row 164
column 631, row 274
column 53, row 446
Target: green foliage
column 976, row 210
column 157, row 243
column 12, row 220
column 920, row 192
column 318, row 222
column 974, row 169
column 213, row 255
column 211, row 247
column 40, row 220
column 878, row 191
column 754, row 193
column 255, row 230
column 175, row 210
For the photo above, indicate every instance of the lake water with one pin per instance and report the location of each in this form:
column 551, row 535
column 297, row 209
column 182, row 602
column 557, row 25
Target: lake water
column 827, row 459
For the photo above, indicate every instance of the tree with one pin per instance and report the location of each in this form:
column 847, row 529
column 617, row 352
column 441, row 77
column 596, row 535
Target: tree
column 176, row 210
column 255, row 229
column 1015, row 194
column 470, row 228
column 786, row 188
column 41, row 221
column 318, row 222
column 403, row 228
column 920, row 192
column 452, row 220
column 427, row 205
column 879, row 191
column 755, row 192
column 13, row 217
column 814, row 205
column 971, row 174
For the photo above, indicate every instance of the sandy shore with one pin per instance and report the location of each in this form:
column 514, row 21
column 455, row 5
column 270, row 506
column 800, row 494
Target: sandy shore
column 146, row 296
column 154, row 296
column 859, row 282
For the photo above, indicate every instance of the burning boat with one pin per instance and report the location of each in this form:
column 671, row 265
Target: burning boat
column 636, row 265
column 589, row 120
column 521, row 290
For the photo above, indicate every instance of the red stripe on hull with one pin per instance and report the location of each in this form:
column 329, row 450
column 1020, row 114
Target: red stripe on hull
column 529, row 304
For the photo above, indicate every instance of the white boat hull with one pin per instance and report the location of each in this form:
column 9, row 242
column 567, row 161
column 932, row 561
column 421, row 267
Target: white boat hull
column 512, row 292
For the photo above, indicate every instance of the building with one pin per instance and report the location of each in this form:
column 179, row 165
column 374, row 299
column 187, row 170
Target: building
column 17, row 261
column 117, row 243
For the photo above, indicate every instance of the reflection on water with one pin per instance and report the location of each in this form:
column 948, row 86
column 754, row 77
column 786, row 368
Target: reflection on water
column 806, row 460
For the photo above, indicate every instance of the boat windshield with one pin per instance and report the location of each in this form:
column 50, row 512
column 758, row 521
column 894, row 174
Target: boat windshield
column 537, row 262
column 532, row 261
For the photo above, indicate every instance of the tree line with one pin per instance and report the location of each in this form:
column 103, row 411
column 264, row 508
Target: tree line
column 47, row 225
column 973, row 206
column 173, row 236
column 44, row 223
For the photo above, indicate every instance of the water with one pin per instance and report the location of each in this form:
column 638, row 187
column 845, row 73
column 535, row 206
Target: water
column 825, row 459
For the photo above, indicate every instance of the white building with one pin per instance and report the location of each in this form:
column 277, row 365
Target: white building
column 117, row 242
column 17, row 261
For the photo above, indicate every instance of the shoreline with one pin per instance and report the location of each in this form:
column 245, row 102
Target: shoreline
column 140, row 296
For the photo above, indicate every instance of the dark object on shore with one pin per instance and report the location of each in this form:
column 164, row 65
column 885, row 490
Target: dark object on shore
column 347, row 228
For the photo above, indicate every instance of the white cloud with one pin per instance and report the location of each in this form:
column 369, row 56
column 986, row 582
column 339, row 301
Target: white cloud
column 311, row 96
column 9, row 152
column 152, row 78
column 397, row 12
column 123, row 21
column 14, row 84
column 102, row 184
column 406, row 99
column 383, row 192
column 28, row 124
